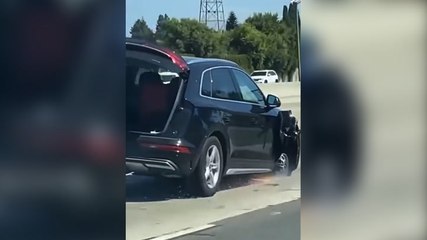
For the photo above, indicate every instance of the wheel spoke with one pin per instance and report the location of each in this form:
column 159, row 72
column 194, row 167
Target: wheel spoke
column 210, row 180
column 211, row 177
column 207, row 170
column 214, row 153
column 214, row 166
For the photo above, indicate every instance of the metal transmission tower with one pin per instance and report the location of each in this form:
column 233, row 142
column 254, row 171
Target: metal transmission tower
column 212, row 14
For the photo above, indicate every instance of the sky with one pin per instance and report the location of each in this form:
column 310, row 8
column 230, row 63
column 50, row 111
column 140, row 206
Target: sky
column 151, row 9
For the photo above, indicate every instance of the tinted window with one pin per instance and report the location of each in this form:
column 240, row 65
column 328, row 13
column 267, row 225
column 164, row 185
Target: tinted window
column 207, row 84
column 259, row 73
column 222, row 85
column 272, row 73
column 249, row 90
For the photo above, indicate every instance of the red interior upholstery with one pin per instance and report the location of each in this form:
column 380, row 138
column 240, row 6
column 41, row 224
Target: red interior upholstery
column 153, row 94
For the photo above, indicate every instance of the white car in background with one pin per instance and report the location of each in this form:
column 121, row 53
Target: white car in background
column 265, row 76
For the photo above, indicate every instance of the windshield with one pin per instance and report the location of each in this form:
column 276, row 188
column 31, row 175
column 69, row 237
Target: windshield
column 263, row 73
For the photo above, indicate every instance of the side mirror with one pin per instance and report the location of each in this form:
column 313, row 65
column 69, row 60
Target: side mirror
column 273, row 101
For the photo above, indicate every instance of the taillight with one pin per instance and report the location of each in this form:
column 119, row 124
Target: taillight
column 168, row 148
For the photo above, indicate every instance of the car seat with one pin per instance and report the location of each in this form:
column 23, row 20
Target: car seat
column 154, row 102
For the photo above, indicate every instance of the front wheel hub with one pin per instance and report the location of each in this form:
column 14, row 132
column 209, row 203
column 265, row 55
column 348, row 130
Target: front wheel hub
column 283, row 162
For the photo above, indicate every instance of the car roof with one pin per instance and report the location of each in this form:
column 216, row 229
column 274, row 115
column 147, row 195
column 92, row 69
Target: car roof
column 263, row 70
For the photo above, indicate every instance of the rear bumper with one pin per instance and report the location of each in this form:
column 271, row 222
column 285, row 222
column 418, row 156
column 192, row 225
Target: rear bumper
column 152, row 166
column 153, row 163
column 159, row 156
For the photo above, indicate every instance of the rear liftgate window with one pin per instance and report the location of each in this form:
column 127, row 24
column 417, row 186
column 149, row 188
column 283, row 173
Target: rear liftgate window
column 151, row 92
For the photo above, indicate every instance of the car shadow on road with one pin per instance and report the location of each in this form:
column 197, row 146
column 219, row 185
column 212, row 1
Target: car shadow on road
column 150, row 189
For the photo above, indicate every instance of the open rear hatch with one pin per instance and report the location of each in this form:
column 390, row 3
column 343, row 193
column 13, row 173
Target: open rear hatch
column 154, row 85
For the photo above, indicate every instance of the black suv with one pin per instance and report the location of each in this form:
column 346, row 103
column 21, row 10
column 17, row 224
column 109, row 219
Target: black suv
column 209, row 121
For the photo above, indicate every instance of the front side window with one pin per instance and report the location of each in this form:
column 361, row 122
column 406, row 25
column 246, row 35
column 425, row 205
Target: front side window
column 248, row 89
column 271, row 73
column 222, row 85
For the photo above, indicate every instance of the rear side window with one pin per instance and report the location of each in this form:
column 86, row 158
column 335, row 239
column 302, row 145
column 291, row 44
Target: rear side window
column 223, row 85
column 207, row 84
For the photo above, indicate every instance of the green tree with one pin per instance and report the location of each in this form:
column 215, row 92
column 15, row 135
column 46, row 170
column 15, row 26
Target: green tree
column 160, row 20
column 160, row 32
column 290, row 19
column 231, row 22
column 189, row 36
column 173, row 37
column 277, row 54
column 285, row 13
column 266, row 23
column 263, row 41
column 292, row 14
column 140, row 30
column 246, row 39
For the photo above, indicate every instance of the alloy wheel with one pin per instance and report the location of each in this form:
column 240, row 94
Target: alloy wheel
column 213, row 165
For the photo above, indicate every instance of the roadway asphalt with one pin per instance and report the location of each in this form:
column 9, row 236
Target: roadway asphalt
column 156, row 206
column 262, row 206
column 276, row 222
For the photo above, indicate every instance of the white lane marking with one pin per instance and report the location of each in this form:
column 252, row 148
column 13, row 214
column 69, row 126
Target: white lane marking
column 183, row 232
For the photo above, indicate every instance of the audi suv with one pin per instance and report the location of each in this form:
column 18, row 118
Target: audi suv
column 210, row 121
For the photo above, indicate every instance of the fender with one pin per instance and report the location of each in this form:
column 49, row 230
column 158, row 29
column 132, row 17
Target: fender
column 221, row 129
column 216, row 128
column 290, row 137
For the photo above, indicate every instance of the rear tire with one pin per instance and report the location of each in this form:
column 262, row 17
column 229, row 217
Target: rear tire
column 265, row 81
column 205, row 180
